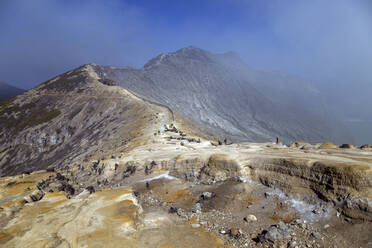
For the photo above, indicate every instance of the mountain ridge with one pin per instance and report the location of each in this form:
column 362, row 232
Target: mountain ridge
column 69, row 118
column 73, row 116
column 224, row 93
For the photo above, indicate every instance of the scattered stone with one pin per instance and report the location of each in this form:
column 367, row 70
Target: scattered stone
column 284, row 229
column 67, row 188
column 250, row 218
column 316, row 211
column 347, row 219
column 207, row 195
column 307, row 147
column 275, row 232
column 195, row 225
column 11, row 183
column 326, row 226
column 292, row 244
column 347, row 146
column 130, row 170
column 60, row 177
column 296, row 222
column 37, row 196
column 235, row 233
column 181, row 212
column 298, row 144
column 303, row 225
column 90, row 189
column 196, row 208
column 272, row 234
column 366, row 146
column 316, row 235
column 172, row 210
column 267, row 194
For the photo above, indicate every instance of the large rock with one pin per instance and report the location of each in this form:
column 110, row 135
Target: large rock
column 275, row 232
column 328, row 145
column 347, row 146
column 366, row 146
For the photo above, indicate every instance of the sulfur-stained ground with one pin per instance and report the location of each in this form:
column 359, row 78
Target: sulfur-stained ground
column 152, row 197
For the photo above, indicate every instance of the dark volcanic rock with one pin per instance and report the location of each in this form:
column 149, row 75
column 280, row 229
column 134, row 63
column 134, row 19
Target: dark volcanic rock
column 274, row 232
column 91, row 189
column 37, row 196
column 347, row 146
column 366, row 146
column 67, row 188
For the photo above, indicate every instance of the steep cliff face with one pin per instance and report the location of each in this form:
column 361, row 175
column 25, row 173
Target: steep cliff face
column 69, row 118
column 222, row 92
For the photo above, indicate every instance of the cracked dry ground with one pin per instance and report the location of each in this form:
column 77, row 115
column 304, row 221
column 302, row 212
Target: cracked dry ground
column 190, row 195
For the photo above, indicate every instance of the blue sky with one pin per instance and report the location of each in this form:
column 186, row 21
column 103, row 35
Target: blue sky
column 324, row 41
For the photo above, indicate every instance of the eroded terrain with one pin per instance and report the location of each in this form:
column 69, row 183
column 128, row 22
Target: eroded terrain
column 176, row 192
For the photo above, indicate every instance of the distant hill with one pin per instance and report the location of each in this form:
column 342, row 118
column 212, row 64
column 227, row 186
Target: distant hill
column 8, row 91
column 222, row 92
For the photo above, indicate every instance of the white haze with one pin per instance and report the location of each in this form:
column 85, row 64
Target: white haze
column 326, row 42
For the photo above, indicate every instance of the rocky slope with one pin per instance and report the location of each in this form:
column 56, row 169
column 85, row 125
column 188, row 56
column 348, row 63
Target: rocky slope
column 112, row 168
column 70, row 118
column 180, row 193
column 223, row 93
column 8, row 91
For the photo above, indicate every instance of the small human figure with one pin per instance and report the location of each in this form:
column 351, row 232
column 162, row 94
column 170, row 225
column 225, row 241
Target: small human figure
column 225, row 141
column 219, row 143
column 277, row 140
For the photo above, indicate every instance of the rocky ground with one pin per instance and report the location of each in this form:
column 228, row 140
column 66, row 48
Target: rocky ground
column 175, row 191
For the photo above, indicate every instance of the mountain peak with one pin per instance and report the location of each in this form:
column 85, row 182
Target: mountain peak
column 190, row 52
column 190, row 49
